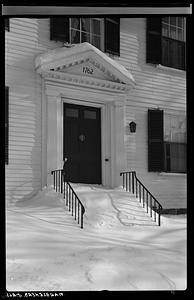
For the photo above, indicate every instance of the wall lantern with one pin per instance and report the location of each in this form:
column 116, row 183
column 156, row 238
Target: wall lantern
column 132, row 126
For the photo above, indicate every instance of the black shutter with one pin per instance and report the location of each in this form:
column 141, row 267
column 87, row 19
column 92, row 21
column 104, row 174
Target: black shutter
column 6, row 124
column 154, row 40
column 59, row 29
column 6, row 20
column 155, row 141
column 112, row 35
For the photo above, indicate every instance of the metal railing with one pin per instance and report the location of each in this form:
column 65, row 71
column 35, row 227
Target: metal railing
column 132, row 184
column 72, row 201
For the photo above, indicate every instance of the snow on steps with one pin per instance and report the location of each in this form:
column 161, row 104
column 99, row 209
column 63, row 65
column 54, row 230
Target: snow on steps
column 100, row 201
column 131, row 210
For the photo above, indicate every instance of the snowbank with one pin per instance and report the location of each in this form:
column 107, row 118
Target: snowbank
column 47, row 250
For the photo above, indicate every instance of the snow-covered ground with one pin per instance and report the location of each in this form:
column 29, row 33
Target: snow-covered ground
column 48, row 251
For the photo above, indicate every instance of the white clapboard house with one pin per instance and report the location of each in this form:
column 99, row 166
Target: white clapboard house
column 107, row 94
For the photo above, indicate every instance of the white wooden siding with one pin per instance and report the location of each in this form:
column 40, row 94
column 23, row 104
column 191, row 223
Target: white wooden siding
column 155, row 88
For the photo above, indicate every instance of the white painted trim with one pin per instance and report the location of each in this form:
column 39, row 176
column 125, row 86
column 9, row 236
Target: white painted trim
column 173, row 174
column 170, row 69
column 112, row 129
column 86, row 81
column 43, row 135
column 103, row 131
column 59, row 133
column 77, row 54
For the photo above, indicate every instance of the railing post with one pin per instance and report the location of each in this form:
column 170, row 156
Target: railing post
column 159, row 212
column 75, row 207
column 72, row 202
column 132, row 182
column 147, row 201
column 78, row 212
column 82, row 213
column 139, row 192
column 150, row 206
column 61, row 181
column 143, row 198
column 154, row 211
column 121, row 174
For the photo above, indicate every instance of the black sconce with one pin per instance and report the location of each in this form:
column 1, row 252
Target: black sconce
column 132, row 126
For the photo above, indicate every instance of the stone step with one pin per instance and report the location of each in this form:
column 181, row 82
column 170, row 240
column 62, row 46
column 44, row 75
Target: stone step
column 131, row 210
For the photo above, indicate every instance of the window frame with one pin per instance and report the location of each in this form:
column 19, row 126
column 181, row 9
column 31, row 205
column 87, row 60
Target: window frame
column 167, row 158
column 91, row 34
column 175, row 56
column 60, row 33
column 180, row 43
column 157, row 144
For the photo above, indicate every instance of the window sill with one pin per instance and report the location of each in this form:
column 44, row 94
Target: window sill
column 172, row 174
column 161, row 67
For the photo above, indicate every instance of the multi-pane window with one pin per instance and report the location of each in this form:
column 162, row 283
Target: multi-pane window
column 174, row 28
column 166, row 142
column 166, row 41
column 89, row 30
column 103, row 33
column 173, row 42
column 174, row 143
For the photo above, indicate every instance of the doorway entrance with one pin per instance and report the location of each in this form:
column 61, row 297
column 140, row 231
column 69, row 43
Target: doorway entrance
column 82, row 143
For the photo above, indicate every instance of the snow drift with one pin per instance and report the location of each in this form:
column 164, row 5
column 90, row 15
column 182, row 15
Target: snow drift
column 47, row 250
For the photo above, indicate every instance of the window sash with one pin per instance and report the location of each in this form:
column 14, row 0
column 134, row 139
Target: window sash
column 175, row 157
column 166, row 156
column 173, row 53
column 166, row 51
column 173, row 30
column 87, row 34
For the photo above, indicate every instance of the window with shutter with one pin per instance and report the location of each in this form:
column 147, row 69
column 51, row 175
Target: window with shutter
column 166, row 41
column 112, row 36
column 173, row 42
column 155, row 141
column 6, row 124
column 59, row 29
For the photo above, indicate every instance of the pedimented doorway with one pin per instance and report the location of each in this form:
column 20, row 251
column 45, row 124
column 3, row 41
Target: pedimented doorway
column 83, row 75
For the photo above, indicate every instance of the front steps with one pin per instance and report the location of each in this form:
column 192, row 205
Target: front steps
column 131, row 211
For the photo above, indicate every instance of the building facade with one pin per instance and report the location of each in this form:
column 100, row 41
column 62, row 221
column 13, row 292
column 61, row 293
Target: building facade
column 74, row 86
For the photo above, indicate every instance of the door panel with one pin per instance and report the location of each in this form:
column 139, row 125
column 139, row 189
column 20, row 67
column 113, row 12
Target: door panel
column 82, row 143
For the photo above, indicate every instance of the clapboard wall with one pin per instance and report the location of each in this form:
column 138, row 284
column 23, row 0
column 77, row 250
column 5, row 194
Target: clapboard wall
column 155, row 87
column 162, row 88
column 22, row 43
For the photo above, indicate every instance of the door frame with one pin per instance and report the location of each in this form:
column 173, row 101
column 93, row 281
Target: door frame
column 113, row 122
column 103, row 134
column 99, row 129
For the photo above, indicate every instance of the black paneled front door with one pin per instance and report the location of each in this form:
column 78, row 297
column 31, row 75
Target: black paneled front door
column 82, row 143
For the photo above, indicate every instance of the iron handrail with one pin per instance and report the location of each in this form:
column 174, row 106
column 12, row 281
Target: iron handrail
column 73, row 202
column 133, row 184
